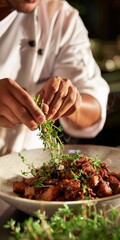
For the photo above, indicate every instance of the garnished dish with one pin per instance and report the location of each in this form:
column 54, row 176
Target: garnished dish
column 66, row 177
column 70, row 178
column 48, row 178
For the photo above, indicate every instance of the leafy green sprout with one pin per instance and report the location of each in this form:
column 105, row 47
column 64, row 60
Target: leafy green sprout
column 31, row 167
column 87, row 223
column 48, row 133
column 95, row 162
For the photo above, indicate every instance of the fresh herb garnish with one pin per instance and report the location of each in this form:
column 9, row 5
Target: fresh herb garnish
column 71, row 177
column 95, row 162
column 48, row 133
column 87, row 223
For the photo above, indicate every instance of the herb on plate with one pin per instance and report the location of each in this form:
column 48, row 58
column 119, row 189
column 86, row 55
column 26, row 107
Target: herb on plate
column 65, row 177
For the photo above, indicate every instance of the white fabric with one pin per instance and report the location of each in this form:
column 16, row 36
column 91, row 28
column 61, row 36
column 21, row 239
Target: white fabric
column 57, row 29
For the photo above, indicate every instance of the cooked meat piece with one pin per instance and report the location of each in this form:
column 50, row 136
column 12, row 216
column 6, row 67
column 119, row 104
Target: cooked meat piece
column 103, row 189
column 19, row 187
column 71, row 188
column 30, row 181
column 103, row 173
column 88, row 168
column 117, row 175
column 91, row 193
column 80, row 161
column 104, row 165
column 50, row 194
column 114, row 184
column 51, row 182
column 94, row 181
column 29, row 192
column 66, row 175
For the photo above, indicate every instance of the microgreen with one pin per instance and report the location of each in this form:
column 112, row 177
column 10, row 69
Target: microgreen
column 49, row 134
column 87, row 223
column 84, row 188
column 95, row 162
column 81, row 174
column 31, row 167
column 75, row 176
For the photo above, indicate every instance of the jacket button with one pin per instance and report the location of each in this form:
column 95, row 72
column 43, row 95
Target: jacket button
column 40, row 51
column 31, row 43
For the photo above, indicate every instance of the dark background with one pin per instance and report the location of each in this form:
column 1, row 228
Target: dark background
column 102, row 19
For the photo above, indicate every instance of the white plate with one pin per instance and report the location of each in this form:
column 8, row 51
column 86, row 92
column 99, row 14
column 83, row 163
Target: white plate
column 11, row 166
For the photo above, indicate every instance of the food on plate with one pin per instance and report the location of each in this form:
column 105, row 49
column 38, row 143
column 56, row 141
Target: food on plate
column 66, row 177
column 73, row 177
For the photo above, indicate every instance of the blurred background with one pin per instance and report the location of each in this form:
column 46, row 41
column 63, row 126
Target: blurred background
column 102, row 19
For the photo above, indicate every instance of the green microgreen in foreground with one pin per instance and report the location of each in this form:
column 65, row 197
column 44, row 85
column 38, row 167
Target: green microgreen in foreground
column 86, row 224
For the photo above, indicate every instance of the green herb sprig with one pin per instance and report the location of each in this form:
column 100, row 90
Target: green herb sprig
column 86, row 224
column 49, row 134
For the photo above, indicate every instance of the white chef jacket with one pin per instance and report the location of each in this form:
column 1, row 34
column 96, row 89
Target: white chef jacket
column 51, row 41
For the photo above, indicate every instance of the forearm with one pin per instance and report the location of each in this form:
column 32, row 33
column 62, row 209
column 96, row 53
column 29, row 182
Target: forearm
column 88, row 114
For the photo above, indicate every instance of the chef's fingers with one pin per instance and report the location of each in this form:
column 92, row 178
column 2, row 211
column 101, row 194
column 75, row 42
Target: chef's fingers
column 20, row 112
column 62, row 97
column 49, row 89
column 45, row 108
column 9, row 115
column 72, row 101
column 41, row 93
column 60, row 107
column 73, row 107
column 29, row 109
column 6, row 123
column 53, row 93
column 58, row 100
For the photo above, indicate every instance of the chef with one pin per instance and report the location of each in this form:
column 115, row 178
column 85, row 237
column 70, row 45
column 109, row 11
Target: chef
column 45, row 50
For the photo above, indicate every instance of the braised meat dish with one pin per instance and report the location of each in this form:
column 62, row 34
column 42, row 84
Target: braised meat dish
column 72, row 178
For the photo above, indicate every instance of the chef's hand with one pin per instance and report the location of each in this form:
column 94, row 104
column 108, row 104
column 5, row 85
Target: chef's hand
column 61, row 96
column 17, row 106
